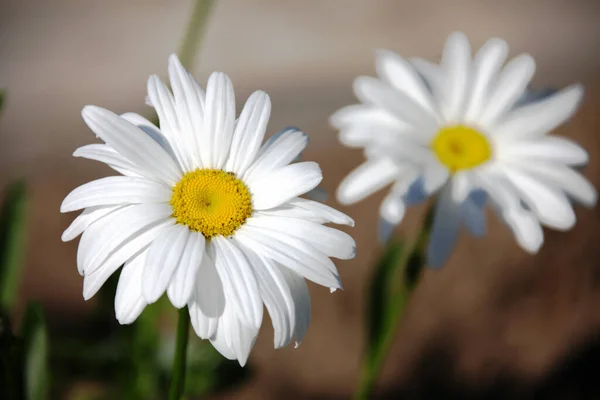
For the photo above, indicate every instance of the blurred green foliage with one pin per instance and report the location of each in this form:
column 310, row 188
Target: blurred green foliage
column 12, row 242
column 35, row 353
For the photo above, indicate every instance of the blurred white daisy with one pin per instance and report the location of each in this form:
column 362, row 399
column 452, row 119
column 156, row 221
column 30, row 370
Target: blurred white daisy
column 469, row 129
column 206, row 214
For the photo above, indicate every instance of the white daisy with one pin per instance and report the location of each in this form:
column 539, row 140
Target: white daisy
column 465, row 128
column 206, row 214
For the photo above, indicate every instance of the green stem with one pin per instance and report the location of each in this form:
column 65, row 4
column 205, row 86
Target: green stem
column 180, row 359
column 376, row 354
column 193, row 35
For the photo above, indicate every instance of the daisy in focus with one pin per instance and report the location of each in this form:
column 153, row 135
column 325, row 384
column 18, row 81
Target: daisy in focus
column 205, row 214
column 468, row 131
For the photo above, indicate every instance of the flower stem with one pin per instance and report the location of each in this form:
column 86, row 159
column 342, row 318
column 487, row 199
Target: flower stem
column 376, row 352
column 180, row 359
column 193, row 35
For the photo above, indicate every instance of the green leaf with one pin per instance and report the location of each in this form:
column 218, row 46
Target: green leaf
column 35, row 352
column 12, row 242
column 11, row 378
column 380, row 288
column 2, row 96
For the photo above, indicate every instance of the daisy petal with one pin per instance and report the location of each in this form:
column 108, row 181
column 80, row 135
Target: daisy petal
column 445, row 230
column 190, row 112
column 283, row 184
column 101, row 239
column 205, row 327
column 365, row 115
column 151, row 130
column 129, row 302
column 548, row 149
column 322, row 213
column 572, row 182
column 374, row 91
column 456, row 63
column 92, row 282
column 239, row 282
column 275, row 292
column 208, row 294
column 432, row 74
column 488, row 62
column 366, row 180
column 86, row 219
column 163, row 102
column 182, row 284
column 510, row 86
column 550, row 205
column 233, row 339
column 330, row 241
column 526, row 228
column 164, row 257
column 301, row 297
column 399, row 73
column 132, row 143
column 249, row 132
column 277, row 152
column 538, row 118
column 474, row 217
column 115, row 190
column 291, row 253
column 219, row 121
column 107, row 155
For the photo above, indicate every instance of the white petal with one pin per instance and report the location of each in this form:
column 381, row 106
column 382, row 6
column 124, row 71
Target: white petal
column 550, row 149
column 322, row 213
column 84, row 220
column 434, row 176
column 526, row 228
column 560, row 176
column 116, row 190
column 330, row 241
column 301, row 297
column 164, row 104
column 365, row 115
column 461, row 185
column 392, row 208
column 538, row 118
column 510, row 86
column 219, row 121
column 456, row 63
column 190, row 112
column 164, row 257
column 445, row 229
column 474, row 217
column 374, row 91
column 208, row 292
column 132, row 143
column 365, row 180
column 106, row 154
column 205, row 327
column 550, row 205
column 276, row 294
column 233, row 339
column 151, row 130
column 129, row 302
column 182, row 284
column 433, row 75
column 101, row 239
column 283, row 184
column 239, row 283
column 280, row 150
column 487, row 64
column 291, row 253
column 401, row 74
column 92, row 282
column 249, row 132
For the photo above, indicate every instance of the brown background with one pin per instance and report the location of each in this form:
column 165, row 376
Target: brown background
column 494, row 318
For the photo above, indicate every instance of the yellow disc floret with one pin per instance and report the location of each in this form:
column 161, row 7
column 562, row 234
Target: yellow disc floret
column 461, row 147
column 211, row 201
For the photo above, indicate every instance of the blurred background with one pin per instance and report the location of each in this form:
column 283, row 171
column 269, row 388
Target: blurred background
column 494, row 323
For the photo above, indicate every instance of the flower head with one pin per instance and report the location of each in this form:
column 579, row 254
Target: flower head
column 468, row 130
column 205, row 214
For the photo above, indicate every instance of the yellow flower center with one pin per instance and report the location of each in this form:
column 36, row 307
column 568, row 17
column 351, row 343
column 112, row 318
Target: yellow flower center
column 211, row 201
column 461, row 147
